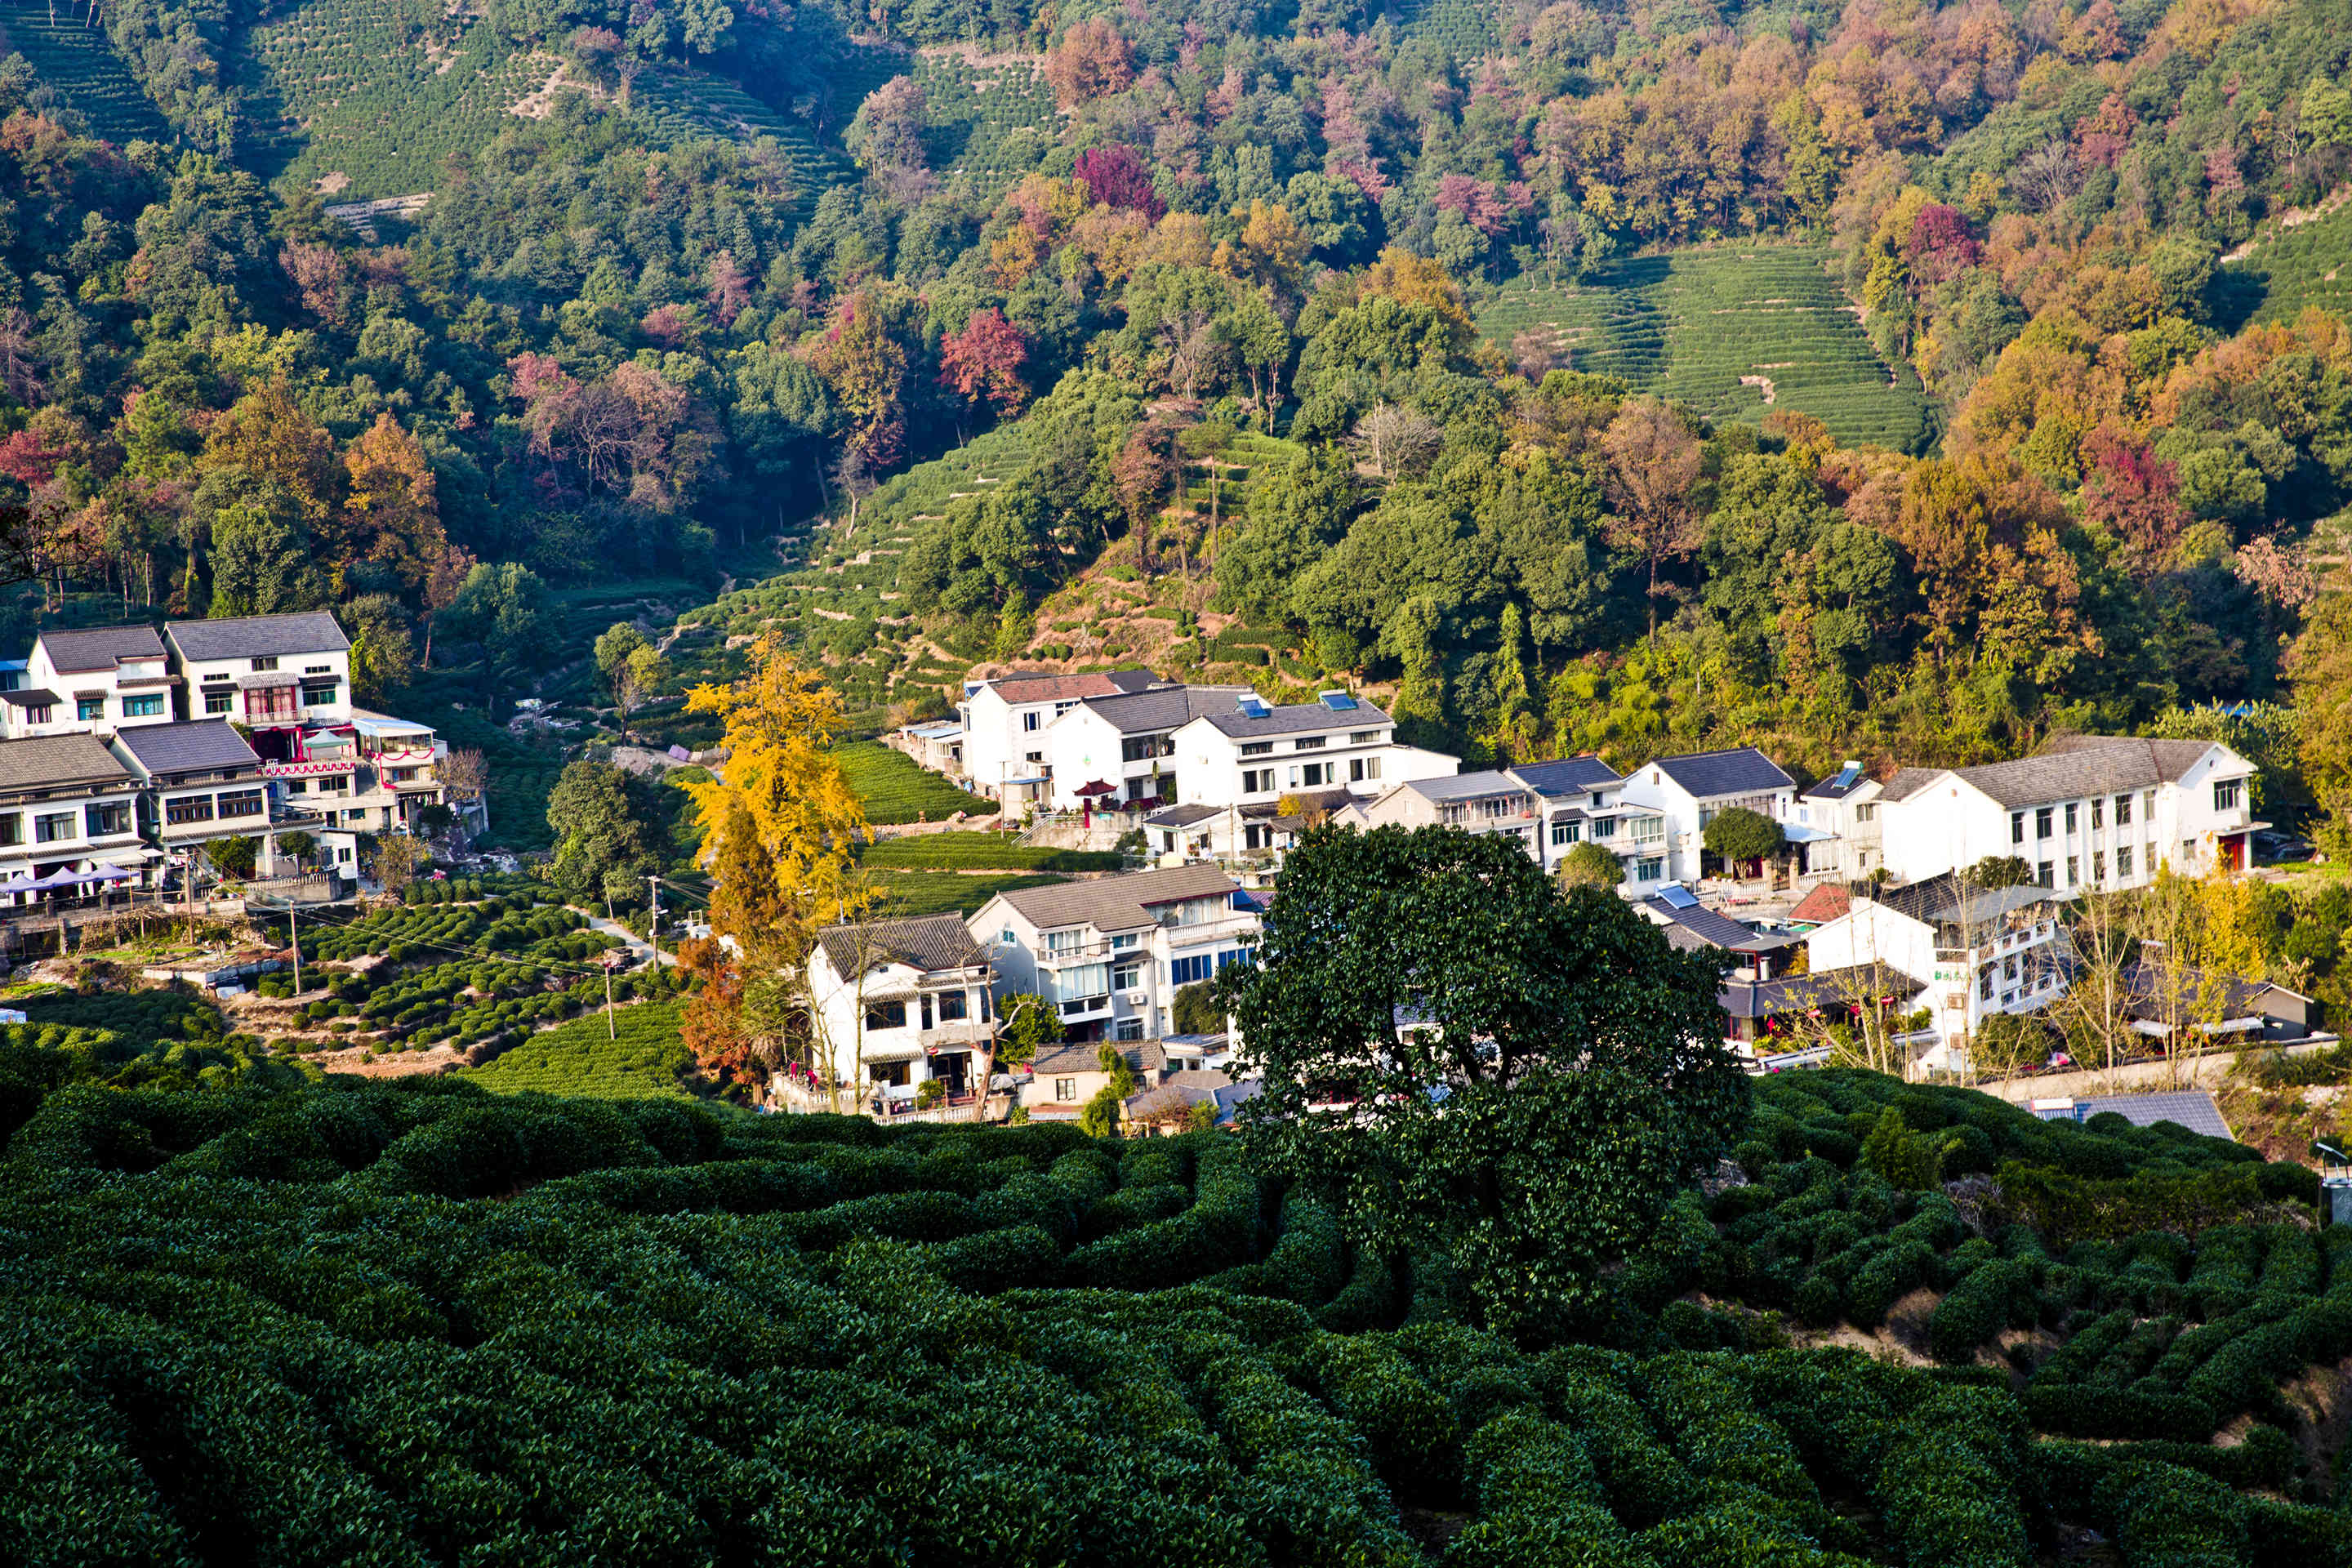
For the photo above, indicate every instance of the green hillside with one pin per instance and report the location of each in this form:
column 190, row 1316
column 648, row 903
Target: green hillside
column 2288, row 269
column 1690, row 324
column 989, row 121
column 81, row 65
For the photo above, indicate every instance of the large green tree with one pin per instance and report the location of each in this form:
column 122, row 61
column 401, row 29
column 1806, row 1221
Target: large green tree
column 1464, row 1059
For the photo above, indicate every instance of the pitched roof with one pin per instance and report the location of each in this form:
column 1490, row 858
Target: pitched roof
column 1941, row 900
column 1138, row 712
column 1117, row 903
column 2191, row 1107
column 1294, row 719
column 259, row 637
column 1566, row 775
column 45, row 762
column 1183, row 816
column 2069, row 768
column 1802, row 993
column 1461, row 786
column 1822, row 905
column 1052, row 686
column 930, row 942
column 1908, row 782
column 186, row 745
column 1086, row 1056
column 98, row 647
column 1709, row 929
column 1846, row 781
column 1740, row 770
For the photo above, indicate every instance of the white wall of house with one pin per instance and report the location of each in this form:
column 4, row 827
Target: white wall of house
column 1004, row 741
column 1362, row 757
column 1687, row 815
column 880, row 1028
column 1082, row 747
column 2003, row 970
column 1119, row 984
column 134, row 691
column 225, row 688
column 1857, row 822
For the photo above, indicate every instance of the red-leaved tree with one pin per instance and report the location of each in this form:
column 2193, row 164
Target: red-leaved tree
column 984, row 360
column 1116, row 178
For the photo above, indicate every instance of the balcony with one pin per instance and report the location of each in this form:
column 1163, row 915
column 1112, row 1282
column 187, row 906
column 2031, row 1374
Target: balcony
column 1085, row 1006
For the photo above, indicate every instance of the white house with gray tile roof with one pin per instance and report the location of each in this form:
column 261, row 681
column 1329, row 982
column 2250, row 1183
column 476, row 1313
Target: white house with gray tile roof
column 202, row 782
column 1005, row 755
column 1685, row 792
column 1253, row 752
column 264, row 672
column 2088, row 811
column 1109, row 954
column 1847, row 806
column 92, row 680
column 899, row 1003
column 67, row 806
column 1127, row 742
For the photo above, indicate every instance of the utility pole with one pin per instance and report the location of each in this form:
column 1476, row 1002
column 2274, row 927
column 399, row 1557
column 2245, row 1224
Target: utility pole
column 608, row 998
column 653, row 926
column 294, row 940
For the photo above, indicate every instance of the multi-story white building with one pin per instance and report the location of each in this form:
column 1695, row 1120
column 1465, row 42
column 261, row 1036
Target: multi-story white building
column 1127, row 743
column 272, row 674
column 1978, row 951
column 1111, row 954
column 1005, row 755
column 1687, row 792
column 2091, row 811
column 91, row 682
column 1482, row 803
column 1845, row 807
column 1253, row 752
column 1580, row 800
column 202, row 782
column 69, row 819
column 898, row 1002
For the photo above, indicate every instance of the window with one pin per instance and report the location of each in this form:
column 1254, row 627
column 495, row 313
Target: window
column 1649, row 868
column 1563, row 833
column 2047, row 874
column 2072, row 810
column 1316, row 774
column 1186, row 970
column 1033, row 720
column 1984, row 983
column 50, row 826
column 1064, row 941
column 1128, row 976
column 1865, row 813
column 2227, row 794
column 317, row 693
column 1363, row 737
column 1257, row 779
column 12, row 828
column 317, row 669
column 1005, row 936
column 2123, row 861
column 2122, row 812
column 2009, row 967
column 271, row 702
column 1066, row 1089
column 2098, row 865
column 952, row 1008
column 148, row 705
column 1121, row 943
column 39, row 713
column 2099, row 813
column 886, row 1015
column 219, row 701
column 2017, row 828
column 2148, row 807
column 261, row 665
column 298, row 786
column 2045, row 820
column 102, row 817
column 1604, row 827
column 1361, row 769
column 88, row 707
column 927, row 1011
column 1128, row 1029
column 242, row 803
column 2074, row 865
column 1308, row 743
column 1257, row 748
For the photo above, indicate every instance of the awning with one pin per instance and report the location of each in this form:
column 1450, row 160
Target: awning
column 267, row 680
column 1798, row 833
column 1097, row 787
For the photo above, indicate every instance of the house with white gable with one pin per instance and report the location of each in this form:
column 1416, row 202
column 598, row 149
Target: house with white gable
column 1120, row 750
column 2089, row 811
column 1686, row 792
column 1976, row 952
column 898, row 1004
column 94, row 680
column 1845, row 806
column 1252, row 752
column 1004, row 754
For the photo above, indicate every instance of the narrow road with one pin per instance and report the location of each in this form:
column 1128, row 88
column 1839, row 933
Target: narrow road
column 636, row 944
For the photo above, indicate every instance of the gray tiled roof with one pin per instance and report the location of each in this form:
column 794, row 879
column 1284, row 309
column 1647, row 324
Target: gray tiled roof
column 46, row 762
column 1117, row 903
column 1566, row 775
column 1297, row 719
column 259, row 637
column 30, row 697
column 1183, row 816
column 1143, row 1056
column 1795, row 993
column 931, row 942
column 1741, row 770
column 1713, row 929
column 1140, row 712
column 2192, row 1108
column 2069, row 768
column 1052, row 686
column 99, row 647
column 1461, row 786
column 187, row 745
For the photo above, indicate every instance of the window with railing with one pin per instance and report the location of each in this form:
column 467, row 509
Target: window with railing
column 1644, row 829
column 1062, row 941
column 271, row 702
column 188, row 808
column 242, row 803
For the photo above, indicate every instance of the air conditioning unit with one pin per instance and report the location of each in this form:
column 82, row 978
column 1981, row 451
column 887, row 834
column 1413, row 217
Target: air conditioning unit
column 1138, row 999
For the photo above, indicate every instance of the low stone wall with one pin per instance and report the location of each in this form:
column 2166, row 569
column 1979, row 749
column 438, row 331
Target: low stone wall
column 2139, row 1078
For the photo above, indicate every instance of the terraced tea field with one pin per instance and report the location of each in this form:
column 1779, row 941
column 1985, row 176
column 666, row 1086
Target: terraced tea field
column 1733, row 332
column 359, row 89
column 989, row 116
column 2288, row 269
column 683, row 105
column 82, row 65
